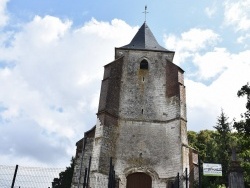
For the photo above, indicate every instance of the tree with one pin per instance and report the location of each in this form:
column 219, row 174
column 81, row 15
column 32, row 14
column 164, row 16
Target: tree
column 243, row 126
column 192, row 139
column 65, row 177
column 243, row 129
column 222, row 125
column 205, row 142
column 214, row 147
column 223, row 142
column 244, row 156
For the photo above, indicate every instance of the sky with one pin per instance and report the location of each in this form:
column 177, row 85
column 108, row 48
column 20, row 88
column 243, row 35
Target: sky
column 52, row 54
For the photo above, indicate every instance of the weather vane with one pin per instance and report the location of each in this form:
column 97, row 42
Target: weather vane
column 145, row 12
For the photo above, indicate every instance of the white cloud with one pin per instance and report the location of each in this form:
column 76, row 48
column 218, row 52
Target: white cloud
column 3, row 13
column 237, row 14
column 210, row 11
column 193, row 40
column 51, row 74
column 245, row 39
column 205, row 101
column 212, row 63
column 45, row 30
column 225, row 72
column 190, row 42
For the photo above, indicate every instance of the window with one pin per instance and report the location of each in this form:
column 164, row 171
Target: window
column 144, row 64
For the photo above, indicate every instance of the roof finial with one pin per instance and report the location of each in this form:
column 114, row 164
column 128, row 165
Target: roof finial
column 145, row 12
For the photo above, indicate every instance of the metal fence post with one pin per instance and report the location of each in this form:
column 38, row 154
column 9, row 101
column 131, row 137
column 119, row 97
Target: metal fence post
column 85, row 177
column 199, row 165
column 186, row 171
column 14, row 177
column 84, row 140
column 178, row 180
column 111, row 178
column 88, row 172
column 110, row 173
column 114, row 182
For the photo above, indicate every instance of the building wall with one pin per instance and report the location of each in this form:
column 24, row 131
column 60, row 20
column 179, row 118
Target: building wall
column 141, row 119
column 110, row 89
column 139, row 146
column 152, row 117
column 152, row 91
column 82, row 157
column 104, row 143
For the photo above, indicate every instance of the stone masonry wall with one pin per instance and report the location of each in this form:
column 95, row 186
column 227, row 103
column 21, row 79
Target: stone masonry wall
column 143, row 92
column 104, row 143
column 152, row 118
column 89, row 138
column 110, row 90
column 141, row 120
column 139, row 147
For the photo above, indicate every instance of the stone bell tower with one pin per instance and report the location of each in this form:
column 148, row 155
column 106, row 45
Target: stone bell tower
column 141, row 119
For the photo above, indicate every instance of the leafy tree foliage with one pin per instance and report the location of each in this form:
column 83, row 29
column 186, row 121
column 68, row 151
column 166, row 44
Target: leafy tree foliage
column 65, row 177
column 244, row 156
column 224, row 147
column 243, row 126
column 205, row 142
column 222, row 125
column 215, row 146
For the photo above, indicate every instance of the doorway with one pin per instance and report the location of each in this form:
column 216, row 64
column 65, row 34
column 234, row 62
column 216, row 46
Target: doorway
column 139, row 180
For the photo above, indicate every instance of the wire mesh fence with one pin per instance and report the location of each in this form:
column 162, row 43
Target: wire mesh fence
column 28, row 177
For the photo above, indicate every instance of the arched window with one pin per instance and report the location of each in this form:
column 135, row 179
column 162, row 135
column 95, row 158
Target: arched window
column 144, row 64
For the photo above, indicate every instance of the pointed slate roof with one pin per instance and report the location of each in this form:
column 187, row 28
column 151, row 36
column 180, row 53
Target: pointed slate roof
column 144, row 40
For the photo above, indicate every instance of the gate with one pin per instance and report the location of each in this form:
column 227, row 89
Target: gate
column 139, row 180
column 187, row 180
column 176, row 183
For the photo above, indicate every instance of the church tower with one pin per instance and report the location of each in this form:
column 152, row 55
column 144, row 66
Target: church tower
column 141, row 120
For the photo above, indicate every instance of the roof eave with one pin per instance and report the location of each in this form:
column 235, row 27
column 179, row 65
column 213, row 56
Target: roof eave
column 144, row 49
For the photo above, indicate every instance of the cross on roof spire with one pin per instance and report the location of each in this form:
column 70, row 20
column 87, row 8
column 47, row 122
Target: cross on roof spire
column 145, row 12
